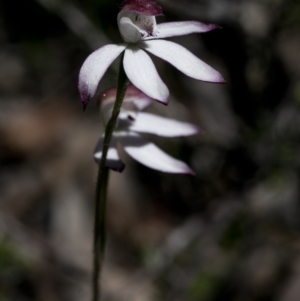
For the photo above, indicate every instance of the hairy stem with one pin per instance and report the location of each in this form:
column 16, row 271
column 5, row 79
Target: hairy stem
column 101, row 188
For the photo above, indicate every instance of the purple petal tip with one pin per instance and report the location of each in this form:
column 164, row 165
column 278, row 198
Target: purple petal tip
column 214, row 26
column 115, row 166
column 197, row 130
column 143, row 7
column 190, row 172
column 84, row 95
column 217, row 80
column 222, row 80
column 85, row 102
column 119, row 169
column 165, row 102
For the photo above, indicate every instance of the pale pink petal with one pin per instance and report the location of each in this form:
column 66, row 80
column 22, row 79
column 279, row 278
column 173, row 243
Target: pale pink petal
column 136, row 96
column 165, row 127
column 133, row 95
column 183, row 60
column 142, row 74
column 113, row 160
column 172, row 29
column 94, row 68
column 151, row 156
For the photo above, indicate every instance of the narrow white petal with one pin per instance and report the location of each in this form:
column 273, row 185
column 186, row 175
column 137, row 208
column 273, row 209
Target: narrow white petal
column 142, row 74
column 151, row 156
column 172, row 29
column 165, row 127
column 183, row 60
column 113, row 160
column 94, row 68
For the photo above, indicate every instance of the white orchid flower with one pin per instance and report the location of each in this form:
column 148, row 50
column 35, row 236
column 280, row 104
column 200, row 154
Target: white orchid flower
column 141, row 34
column 132, row 122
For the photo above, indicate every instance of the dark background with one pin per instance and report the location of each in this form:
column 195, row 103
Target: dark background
column 230, row 233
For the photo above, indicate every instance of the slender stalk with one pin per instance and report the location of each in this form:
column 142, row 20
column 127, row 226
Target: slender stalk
column 101, row 188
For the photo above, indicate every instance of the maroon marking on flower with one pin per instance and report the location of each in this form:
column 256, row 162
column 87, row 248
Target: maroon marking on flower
column 143, row 7
column 85, row 96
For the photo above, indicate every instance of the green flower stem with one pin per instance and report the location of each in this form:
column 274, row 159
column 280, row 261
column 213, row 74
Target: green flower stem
column 102, row 183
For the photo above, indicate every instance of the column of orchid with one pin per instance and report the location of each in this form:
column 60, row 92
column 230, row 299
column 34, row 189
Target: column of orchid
column 124, row 123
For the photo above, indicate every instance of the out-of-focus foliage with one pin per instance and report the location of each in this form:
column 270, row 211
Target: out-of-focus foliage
column 229, row 233
column 13, row 271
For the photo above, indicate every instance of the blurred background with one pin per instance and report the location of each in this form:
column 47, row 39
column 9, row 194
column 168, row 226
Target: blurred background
column 232, row 232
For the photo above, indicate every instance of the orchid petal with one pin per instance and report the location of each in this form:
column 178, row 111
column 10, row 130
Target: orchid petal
column 113, row 160
column 94, row 68
column 173, row 29
column 142, row 73
column 137, row 97
column 165, row 127
column 151, row 156
column 183, row 60
column 133, row 95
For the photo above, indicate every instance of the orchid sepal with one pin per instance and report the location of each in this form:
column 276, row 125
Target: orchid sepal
column 183, row 60
column 174, row 29
column 94, row 68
